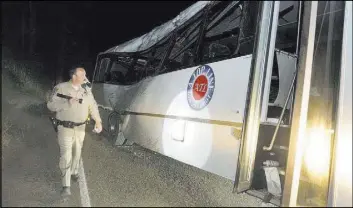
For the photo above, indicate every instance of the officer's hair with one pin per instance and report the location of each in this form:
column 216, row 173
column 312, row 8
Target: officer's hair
column 73, row 69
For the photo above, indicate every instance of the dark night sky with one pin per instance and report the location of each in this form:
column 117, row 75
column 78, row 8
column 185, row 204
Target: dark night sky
column 128, row 20
column 91, row 26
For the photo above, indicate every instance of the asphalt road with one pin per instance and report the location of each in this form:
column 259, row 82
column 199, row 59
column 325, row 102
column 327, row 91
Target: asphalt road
column 115, row 176
column 129, row 176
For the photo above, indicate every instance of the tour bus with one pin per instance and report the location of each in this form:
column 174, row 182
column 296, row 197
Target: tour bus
column 258, row 92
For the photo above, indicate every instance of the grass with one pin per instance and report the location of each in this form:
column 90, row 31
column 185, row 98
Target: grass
column 5, row 131
column 11, row 131
column 27, row 77
column 24, row 88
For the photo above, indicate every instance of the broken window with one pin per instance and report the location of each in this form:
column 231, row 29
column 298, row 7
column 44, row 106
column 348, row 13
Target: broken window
column 140, row 67
column 121, row 71
column 287, row 31
column 183, row 50
column 116, row 73
column 154, row 57
column 101, row 70
column 222, row 33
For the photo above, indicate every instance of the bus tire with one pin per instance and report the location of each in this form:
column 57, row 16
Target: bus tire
column 113, row 128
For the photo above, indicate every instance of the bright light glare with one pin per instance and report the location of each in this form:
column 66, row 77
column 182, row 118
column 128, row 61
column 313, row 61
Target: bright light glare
column 317, row 151
column 178, row 129
column 344, row 162
column 187, row 141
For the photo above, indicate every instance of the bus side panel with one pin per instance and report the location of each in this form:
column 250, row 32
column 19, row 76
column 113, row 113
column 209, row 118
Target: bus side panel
column 163, row 121
column 210, row 147
column 166, row 94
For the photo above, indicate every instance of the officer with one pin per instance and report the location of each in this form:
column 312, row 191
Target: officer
column 72, row 117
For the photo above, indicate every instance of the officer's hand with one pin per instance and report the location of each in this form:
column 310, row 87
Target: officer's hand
column 98, row 127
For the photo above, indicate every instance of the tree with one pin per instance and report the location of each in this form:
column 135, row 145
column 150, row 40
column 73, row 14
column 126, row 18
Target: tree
column 23, row 31
column 32, row 28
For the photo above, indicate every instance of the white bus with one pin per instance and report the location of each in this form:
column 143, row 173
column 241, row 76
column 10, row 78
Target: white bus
column 256, row 92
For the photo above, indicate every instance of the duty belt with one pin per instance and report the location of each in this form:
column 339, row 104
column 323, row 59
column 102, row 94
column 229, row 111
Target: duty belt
column 70, row 124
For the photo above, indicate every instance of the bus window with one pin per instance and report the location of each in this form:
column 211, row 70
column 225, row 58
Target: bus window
column 287, row 30
column 116, row 74
column 222, row 35
column 125, row 71
column 154, row 57
column 140, row 68
column 182, row 54
column 140, row 64
column 103, row 66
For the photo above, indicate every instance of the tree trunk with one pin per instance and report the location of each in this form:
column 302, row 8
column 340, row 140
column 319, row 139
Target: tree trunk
column 32, row 28
column 61, row 52
column 23, row 32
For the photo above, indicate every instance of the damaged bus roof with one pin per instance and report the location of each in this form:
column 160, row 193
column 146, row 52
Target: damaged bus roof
column 158, row 33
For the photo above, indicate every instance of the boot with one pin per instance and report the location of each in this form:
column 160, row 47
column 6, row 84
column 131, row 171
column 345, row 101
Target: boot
column 65, row 191
column 74, row 177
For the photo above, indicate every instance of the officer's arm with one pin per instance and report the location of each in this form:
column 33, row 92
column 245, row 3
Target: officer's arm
column 56, row 103
column 93, row 109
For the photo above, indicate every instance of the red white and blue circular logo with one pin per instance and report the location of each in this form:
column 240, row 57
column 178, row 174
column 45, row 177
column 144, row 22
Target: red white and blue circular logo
column 200, row 88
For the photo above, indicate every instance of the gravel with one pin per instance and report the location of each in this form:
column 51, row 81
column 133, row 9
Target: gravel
column 134, row 176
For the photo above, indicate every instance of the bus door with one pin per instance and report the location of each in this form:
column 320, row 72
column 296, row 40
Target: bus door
column 320, row 153
column 312, row 140
column 262, row 61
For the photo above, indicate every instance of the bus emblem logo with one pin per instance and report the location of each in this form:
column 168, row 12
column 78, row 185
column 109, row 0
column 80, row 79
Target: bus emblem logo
column 200, row 87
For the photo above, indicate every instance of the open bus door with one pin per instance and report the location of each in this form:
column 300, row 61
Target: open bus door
column 318, row 160
column 262, row 61
column 319, row 167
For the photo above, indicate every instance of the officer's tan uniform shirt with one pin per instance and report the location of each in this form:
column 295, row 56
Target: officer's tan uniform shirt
column 76, row 112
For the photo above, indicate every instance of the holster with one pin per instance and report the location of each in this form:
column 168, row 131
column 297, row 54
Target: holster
column 54, row 123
